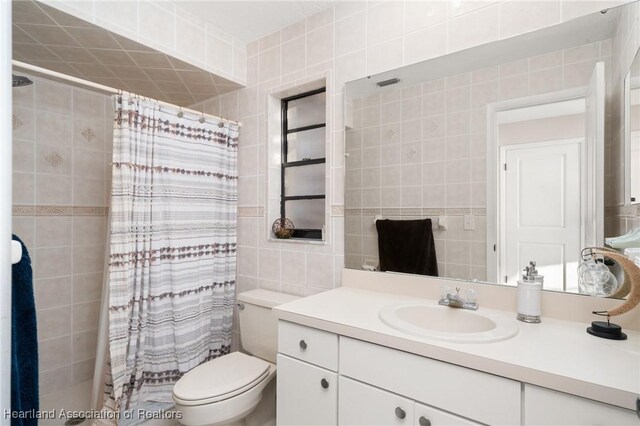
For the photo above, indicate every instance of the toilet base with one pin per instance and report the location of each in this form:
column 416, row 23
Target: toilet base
column 256, row 407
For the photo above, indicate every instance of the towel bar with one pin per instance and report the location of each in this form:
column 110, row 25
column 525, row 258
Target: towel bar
column 440, row 221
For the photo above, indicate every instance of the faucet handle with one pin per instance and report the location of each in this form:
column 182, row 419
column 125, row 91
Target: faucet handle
column 445, row 292
column 471, row 295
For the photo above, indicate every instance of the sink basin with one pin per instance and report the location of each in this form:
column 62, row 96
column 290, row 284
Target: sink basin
column 448, row 324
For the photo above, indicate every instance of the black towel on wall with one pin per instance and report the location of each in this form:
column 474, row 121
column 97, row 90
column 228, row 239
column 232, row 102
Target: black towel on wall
column 24, row 342
column 407, row 246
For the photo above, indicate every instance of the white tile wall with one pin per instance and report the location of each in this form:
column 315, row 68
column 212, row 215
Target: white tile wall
column 361, row 38
column 63, row 163
column 167, row 28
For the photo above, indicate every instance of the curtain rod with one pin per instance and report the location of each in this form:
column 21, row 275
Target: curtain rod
column 75, row 80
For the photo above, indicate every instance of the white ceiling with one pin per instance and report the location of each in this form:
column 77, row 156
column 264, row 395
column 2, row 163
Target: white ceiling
column 249, row 20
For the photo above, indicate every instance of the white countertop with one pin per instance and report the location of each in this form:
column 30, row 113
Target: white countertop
column 555, row 354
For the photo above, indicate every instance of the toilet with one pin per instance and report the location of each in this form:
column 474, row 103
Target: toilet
column 227, row 389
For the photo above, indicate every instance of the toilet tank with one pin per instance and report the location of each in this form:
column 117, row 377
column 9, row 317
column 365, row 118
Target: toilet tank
column 258, row 324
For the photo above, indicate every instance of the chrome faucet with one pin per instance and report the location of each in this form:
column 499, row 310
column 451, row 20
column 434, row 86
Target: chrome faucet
column 470, row 300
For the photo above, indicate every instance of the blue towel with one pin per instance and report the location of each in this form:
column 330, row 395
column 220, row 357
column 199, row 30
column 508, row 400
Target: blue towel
column 24, row 343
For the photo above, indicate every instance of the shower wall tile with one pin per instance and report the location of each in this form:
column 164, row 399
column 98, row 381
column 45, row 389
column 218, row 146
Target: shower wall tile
column 62, row 143
column 84, row 345
column 23, row 156
column 88, row 191
column 88, row 259
column 53, row 292
column 51, row 159
column 54, row 379
column 52, row 262
column 23, row 123
column 55, row 97
column 53, row 128
column 87, row 287
column 53, row 231
column 23, row 188
column 85, row 316
column 53, row 322
column 83, row 370
column 53, row 190
column 54, row 353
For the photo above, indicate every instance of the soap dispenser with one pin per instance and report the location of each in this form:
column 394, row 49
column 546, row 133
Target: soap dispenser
column 530, row 294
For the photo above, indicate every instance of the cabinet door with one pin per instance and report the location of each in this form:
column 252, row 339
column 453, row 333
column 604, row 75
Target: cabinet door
column 365, row 405
column 429, row 416
column 544, row 407
column 306, row 395
column 449, row 387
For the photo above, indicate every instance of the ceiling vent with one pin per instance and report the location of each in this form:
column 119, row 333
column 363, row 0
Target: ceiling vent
column 388, row 82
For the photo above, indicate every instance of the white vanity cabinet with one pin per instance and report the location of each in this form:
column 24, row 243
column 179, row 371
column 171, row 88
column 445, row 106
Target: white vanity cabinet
column 307, row 378
column 545, row 407
column 326, row 379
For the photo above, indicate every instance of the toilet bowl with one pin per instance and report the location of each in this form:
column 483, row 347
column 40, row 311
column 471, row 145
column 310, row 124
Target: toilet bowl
column 222, row 390
column 227, row 389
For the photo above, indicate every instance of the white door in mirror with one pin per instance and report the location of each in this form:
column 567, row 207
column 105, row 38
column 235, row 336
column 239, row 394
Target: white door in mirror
column 542, row 210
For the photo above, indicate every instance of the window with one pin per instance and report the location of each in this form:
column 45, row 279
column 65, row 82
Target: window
column 302, row 186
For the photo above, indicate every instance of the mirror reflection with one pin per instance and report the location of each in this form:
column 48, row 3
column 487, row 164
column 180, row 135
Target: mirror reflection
column 470, row 166
column 632, row 153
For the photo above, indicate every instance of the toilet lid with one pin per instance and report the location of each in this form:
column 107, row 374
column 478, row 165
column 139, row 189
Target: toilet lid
column 220, row 377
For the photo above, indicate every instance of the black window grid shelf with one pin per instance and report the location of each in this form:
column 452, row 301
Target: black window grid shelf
column 298, row 233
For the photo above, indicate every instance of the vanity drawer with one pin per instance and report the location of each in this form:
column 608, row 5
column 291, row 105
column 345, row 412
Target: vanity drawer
column 364, row 405
column 545, row 407
column 426, row 415
column 472, row 394
column 308, row 344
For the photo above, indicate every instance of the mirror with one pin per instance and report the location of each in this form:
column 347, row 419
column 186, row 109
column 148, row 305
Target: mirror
column 501, row 146
column 632, row 133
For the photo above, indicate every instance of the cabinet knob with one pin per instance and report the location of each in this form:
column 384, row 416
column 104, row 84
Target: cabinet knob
column 324, row 383
column 424, row 421
column 303, row 345
column 400, row 413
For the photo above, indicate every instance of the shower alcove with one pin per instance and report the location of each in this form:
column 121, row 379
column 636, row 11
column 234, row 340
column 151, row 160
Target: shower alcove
column 62, row 137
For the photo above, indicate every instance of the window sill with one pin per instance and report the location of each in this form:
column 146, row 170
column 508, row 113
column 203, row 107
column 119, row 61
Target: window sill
column 311, row 241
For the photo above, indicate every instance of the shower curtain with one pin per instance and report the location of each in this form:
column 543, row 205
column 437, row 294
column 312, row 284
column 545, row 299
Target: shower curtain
column 172, row 259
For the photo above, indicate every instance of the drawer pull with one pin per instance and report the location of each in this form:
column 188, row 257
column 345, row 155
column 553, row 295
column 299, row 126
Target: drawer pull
column 303, row 345
column 424, row 421
column 400, row 413
column 324, row 383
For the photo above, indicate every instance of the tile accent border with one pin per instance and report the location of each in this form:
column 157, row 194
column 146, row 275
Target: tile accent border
column 256, row 211
column 415, row 212
column 337, row 210
column 39, row 210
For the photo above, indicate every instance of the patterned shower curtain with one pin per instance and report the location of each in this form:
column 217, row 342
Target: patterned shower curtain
column 172, row 257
